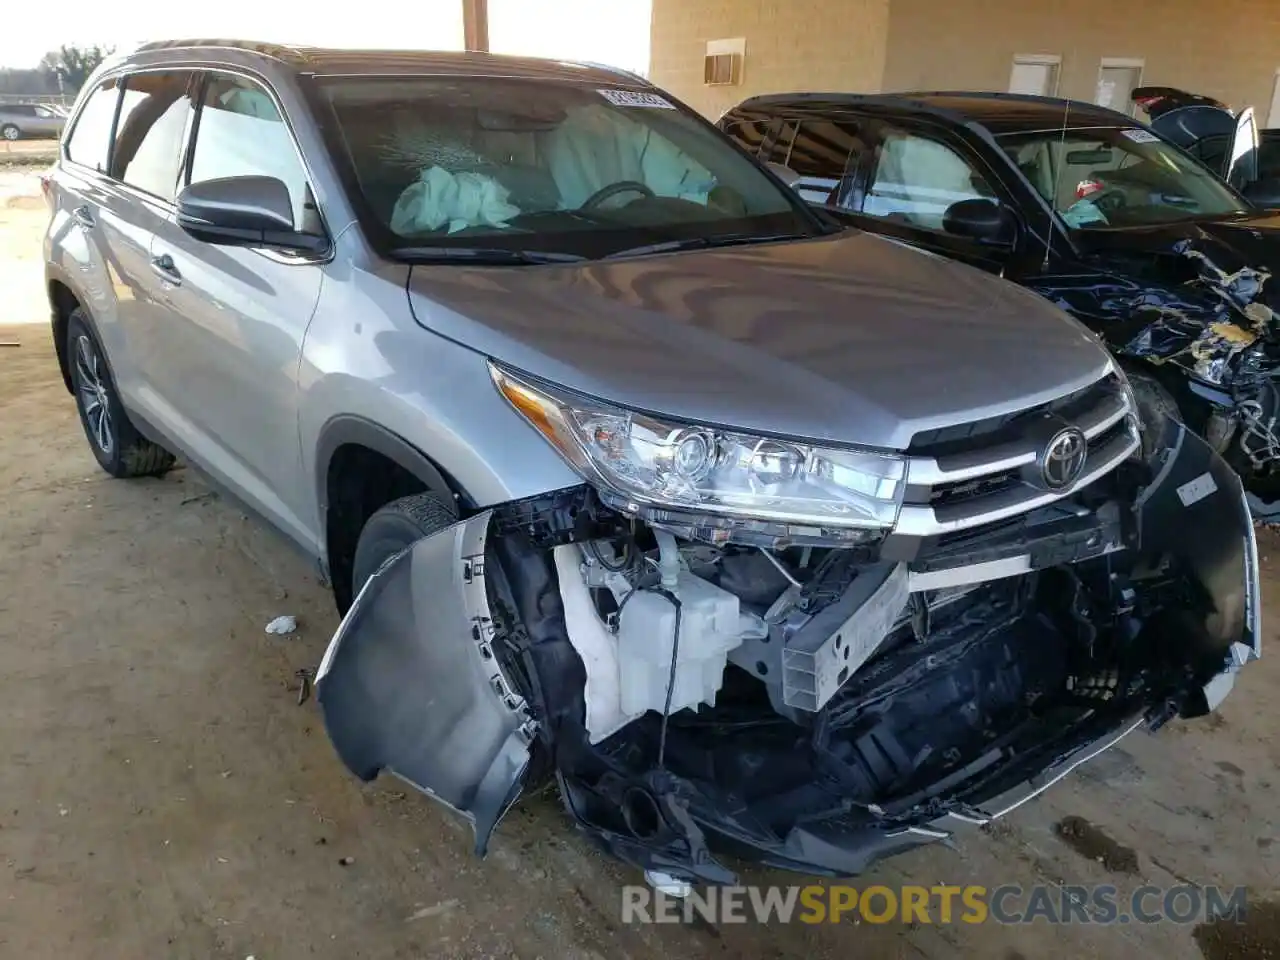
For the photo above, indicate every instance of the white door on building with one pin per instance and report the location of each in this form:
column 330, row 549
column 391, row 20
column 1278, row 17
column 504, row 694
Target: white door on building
column 1036, row 75
column 1116, row 79
column 1273, row 115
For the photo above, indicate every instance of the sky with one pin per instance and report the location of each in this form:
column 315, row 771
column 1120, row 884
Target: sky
column 606, row 31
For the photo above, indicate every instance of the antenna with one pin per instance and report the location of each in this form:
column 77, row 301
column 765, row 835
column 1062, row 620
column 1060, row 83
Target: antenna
column 1057, row 182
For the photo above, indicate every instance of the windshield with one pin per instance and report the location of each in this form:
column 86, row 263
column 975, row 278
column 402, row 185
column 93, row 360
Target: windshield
column 1118, row 177
column 545, row 167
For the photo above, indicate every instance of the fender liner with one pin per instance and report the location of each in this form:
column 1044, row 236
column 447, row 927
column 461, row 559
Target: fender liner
column 55, row 274
column 351, row 429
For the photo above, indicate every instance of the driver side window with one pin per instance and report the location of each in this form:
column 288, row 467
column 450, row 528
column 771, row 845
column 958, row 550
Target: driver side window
column 240, row 132
column 917, row 178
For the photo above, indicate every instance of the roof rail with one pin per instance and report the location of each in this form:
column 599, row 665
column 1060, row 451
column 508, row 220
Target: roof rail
column 277, row 51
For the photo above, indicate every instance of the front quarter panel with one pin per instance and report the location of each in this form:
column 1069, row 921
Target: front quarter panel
column 366, row 359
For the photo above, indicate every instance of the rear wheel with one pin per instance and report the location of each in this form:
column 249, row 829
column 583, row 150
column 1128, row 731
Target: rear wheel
column 393, row 528
column 116, row 444
column 10, row 132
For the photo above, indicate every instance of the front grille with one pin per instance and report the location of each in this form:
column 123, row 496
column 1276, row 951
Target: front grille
column 952, row 493
column 967, row 476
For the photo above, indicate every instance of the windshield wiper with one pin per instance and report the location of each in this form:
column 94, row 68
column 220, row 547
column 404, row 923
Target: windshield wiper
column 484, row 255
column 702, row 243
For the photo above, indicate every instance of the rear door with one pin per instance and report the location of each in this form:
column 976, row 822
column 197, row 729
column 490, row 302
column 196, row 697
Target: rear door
column 229, row 346
column 154, row 117
column 821, row 156
column 102, row 229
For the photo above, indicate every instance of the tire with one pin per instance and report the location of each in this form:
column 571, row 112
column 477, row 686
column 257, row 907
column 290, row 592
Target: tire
column 116, row 444
column 394, row 527
column 10, row 132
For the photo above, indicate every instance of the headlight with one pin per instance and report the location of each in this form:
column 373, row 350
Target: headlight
column 647, row 461
column 1127, row 388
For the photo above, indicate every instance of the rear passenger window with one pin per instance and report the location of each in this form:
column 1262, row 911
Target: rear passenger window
column 241, row 133
column 750, row 135
column 154, row 112
column 776, row 147
column 90, row 139
column 824, row 153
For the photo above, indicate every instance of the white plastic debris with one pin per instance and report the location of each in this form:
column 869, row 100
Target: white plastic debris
column 668, row 885
column 282, row 625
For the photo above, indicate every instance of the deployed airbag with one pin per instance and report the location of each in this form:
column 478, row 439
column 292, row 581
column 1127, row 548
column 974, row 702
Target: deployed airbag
column 460, row 200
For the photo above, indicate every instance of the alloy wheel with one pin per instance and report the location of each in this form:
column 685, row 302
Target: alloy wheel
column 94, row 395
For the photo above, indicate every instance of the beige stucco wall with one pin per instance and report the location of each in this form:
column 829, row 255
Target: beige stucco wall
column 1226, row 48
column 1229, row 49
column 796, row 45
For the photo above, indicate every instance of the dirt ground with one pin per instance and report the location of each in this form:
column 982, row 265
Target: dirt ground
column 162, row 793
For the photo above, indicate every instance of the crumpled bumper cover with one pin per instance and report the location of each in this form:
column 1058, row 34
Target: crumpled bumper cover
column 1195, row 509
column 410, row 682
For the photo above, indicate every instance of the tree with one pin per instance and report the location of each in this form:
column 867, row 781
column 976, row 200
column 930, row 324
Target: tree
column 26, row 82
column 70, row 65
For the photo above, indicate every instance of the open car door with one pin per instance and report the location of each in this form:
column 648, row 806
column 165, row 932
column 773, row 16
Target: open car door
column 1242, row 165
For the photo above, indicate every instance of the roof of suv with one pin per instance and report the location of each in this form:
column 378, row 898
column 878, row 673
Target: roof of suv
column 998, row 112
column 323, row 61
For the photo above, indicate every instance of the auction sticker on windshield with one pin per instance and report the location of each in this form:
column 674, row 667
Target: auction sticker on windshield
column 636, row 98
column 1138, row 135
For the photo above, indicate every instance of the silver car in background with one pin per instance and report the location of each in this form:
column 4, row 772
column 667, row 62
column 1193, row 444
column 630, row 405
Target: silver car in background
column 628, row 469
column 25, row 121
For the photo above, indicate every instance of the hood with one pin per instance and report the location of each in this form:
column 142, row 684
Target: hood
column 1207, row 128
column 850, row 338
column 1195, row 292
column 1175, row 254
column 1158, row 101
column 1185, row 118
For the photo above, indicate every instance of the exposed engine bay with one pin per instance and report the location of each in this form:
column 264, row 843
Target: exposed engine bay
column 815, row 708
column 1217, row 327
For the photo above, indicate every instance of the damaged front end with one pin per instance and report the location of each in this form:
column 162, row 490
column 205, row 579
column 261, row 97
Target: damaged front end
column 1218, row 328
column 792, row 694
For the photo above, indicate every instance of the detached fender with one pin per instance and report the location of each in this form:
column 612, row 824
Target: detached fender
column 410, row 682
column 1195, row 511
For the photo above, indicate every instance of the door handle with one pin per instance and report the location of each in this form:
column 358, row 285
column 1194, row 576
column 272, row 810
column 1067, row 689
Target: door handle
column 84, row 217
column 164, row 267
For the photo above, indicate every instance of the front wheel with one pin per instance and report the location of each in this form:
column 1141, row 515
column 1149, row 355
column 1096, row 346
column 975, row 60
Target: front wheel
column 116, row 444
column 395, row 527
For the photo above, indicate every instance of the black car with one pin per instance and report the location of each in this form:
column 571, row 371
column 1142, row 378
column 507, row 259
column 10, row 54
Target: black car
column 1207, row 129
column 1148, row 247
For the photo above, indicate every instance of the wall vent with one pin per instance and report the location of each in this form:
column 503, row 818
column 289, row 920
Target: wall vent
column 722, row 65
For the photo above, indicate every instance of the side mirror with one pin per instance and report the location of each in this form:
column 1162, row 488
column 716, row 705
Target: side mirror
column 785, row 173
column 983, row 220
column 249, row 211
column 1263, row 193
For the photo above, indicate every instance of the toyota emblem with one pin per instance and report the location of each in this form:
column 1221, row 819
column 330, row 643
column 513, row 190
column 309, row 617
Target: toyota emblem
column 1063, row 458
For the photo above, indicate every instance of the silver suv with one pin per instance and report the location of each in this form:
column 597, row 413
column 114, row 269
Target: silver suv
column 627, row 468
